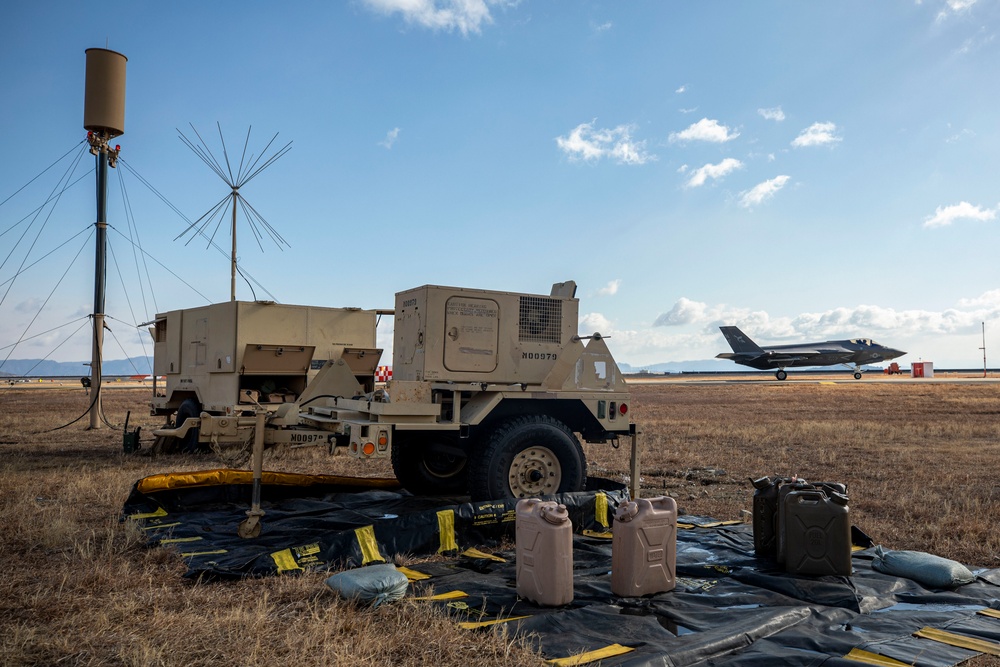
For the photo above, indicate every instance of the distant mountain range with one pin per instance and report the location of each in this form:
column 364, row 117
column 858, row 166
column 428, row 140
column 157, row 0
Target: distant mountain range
column 698, row 366
column 46, row 368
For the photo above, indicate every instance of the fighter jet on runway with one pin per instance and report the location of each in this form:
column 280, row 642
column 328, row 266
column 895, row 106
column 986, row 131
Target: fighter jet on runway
column 856, row 351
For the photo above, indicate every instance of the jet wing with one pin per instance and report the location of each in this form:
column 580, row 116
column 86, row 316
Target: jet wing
column 751, row 358
column 771, row 356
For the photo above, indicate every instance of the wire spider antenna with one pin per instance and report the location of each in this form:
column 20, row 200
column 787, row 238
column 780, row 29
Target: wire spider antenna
column 235, row 175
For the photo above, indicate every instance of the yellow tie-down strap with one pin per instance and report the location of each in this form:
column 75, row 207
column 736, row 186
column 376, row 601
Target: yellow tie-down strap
column 369, row 545
column 962, row 641
column 160, row 512
column 591, row 656
column 601, row 510
column 450, row 595
column 446, row 531
column 178, row 540
column 712, row 524
column 476, row 553
column 474, row 625
column 413, row 575
column 600, row 535
column 869, row 658
column 992, row 613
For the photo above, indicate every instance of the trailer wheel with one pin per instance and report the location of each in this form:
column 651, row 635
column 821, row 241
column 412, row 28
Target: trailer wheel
column 430, row 464
column 189, row 409
column 526, row 457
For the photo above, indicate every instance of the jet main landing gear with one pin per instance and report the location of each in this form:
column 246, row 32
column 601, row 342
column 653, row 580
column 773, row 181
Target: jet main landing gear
column 781, row 374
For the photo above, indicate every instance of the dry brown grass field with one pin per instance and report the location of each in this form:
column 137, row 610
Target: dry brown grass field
column 920, row 462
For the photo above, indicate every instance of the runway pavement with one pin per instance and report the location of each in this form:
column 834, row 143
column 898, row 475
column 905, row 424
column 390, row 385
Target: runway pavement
column 845, row 377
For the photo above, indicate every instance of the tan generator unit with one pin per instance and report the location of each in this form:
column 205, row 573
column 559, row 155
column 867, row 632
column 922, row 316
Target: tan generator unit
column 452, row 334
column 219, row 357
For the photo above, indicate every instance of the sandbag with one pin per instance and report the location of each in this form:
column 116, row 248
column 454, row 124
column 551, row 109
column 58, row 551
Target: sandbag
column 373, row 584
column 927, row 569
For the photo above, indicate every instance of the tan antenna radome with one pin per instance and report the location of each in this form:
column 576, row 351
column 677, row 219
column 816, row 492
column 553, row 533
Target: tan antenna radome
column 104, row 119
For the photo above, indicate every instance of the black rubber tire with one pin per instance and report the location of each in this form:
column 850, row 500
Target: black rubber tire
column 190, row 408
column 857, row 375
column 430, row 464
column 781, row 375
column 523, row 446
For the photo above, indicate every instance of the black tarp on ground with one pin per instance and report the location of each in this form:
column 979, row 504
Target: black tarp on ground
column 729, row 607
column 327, row 521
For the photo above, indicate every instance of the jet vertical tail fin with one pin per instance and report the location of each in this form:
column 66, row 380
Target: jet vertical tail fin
column 739, row 341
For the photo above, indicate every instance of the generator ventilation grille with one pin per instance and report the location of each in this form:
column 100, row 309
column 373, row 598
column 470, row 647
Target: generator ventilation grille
column 540, row 320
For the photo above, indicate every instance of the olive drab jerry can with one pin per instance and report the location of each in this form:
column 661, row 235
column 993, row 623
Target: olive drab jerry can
column 544, row 552
column 817, row 531
column 644, row 547
column 765, row 516
column 789, row 486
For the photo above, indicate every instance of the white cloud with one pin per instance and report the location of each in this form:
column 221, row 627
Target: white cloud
column 681, row 89
column 684, row 311
column 700, row 175
column 705, row 130
column 689, row 330
column 774, row 113
column 611, row 288
column 988, row 300
column 390, row 138
column 465, row 16
column 954, row 7
column 29, row 306
column 842, row 322
column 586, row 143
column 603, row 27
column 761, row 192
column 595, row 322
column 817, row 134
column 945, row 215
column 978, row 41
column 691, row 110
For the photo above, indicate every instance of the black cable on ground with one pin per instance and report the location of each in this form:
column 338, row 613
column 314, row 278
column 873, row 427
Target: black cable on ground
column 95, row 394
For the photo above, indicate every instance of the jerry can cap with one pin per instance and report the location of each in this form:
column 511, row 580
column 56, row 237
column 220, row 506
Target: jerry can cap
column 838, row 498
column 554, row 514
column 627, row 511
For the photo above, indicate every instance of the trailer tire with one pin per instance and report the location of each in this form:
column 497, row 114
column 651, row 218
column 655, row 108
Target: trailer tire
column 526, row 457
column 189, row 409
column 430, row 464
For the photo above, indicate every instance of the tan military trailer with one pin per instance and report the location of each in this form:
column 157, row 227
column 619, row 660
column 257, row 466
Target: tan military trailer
column 490, row 395
column 234, row 357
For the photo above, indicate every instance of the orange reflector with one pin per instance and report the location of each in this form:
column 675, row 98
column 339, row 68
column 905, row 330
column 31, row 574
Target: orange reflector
column 368, row 449
column 383, row 440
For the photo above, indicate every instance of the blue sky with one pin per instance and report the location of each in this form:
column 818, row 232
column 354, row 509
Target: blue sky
column 803, row 170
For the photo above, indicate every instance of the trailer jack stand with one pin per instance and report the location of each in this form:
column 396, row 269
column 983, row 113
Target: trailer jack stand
column 250, row 526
